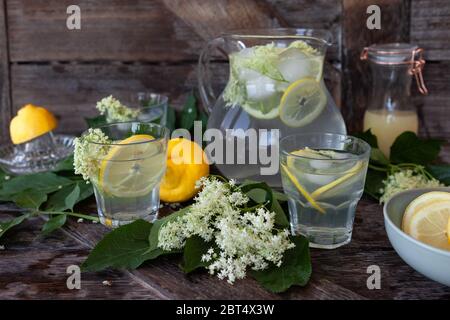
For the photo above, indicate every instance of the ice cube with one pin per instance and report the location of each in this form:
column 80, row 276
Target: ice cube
column 294, row 65
column 320, row 179
column 260, row 88
column 246, row 74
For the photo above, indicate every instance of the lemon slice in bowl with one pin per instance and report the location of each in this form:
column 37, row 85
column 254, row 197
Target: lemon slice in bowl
column 302, row 102
column 132, row 168
column 429, row 224
column 421, row 201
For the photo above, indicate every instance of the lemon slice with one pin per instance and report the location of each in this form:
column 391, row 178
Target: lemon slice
column 258, row 114
column 132, row 168
column 302, row 190
column 420, row 202
column 348, row 174
column 302, row 102
column 448, row 231
column 429, row 224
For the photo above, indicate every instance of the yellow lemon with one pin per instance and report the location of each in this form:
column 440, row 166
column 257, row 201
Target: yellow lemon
column 132, row 167
column 186, row 163
column 31, row 122
column 429, row 224
column 422, row 201
column 302, row 102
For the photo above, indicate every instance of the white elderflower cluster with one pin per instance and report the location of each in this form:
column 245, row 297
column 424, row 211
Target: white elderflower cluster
column 242, row 238
column 406, row 179
column 115, row 111
column 89, row 148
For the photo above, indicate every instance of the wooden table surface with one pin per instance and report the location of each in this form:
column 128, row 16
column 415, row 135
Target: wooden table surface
column 34, row 267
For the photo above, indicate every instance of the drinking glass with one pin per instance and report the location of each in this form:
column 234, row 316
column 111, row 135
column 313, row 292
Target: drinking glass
column 153, row 107
column 150, row 107
column 323, row 176
column 129, row 171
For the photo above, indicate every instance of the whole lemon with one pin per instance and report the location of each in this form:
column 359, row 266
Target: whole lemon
column 31, row 122
column 186, row 163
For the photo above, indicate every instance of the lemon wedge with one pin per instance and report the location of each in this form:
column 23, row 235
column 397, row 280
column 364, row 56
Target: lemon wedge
column 429, row 224
column 421, row 201
column 302, row 190
column 132, row 167
column 302, row 102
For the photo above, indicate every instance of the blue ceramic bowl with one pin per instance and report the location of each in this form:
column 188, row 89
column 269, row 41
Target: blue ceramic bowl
column 431, row 262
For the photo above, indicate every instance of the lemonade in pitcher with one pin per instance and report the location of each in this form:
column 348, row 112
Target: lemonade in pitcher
column 275, row 82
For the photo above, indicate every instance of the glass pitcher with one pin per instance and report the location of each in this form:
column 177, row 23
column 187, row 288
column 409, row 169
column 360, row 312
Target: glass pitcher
column 390, row 110
column 275, row 88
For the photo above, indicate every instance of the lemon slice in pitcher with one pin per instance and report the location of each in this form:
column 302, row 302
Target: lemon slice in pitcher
column 302, row 102
column 132, row 167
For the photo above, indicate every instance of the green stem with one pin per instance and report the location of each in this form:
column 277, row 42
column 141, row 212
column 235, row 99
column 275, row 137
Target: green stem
column 73, row 214
column 374, row 167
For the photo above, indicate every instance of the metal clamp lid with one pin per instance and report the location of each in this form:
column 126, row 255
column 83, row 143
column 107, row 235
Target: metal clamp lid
column 397, row 54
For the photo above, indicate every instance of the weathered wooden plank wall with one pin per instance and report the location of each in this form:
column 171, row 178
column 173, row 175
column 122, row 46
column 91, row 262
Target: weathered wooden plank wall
column 126, row 46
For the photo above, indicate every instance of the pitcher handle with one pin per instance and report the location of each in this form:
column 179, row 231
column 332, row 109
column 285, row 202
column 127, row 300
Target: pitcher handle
column 206, row 91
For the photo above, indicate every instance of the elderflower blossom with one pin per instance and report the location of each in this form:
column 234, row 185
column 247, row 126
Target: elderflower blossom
column 89, row 148
column 115, row 111
column 242, row 239
column 405, row 180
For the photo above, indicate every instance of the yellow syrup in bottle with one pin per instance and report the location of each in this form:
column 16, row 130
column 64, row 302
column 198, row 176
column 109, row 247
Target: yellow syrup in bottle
column 388, row 125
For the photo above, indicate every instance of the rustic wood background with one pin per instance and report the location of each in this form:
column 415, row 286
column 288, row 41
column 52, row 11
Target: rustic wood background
column 126, row 46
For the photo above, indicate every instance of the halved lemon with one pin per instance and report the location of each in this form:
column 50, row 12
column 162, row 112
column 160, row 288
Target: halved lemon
column 421, row 201
column 132, row 168
column 302, row 102
column 429, row 224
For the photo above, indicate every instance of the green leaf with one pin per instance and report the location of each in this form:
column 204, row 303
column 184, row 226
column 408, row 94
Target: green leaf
column 72, row 198
column 30, row 198
column 171, row 118
column 203, row 117
column 374, row 182
column 96, row 121
column 280, row 216
column 440, row 172
column 65, row 165
column 45, row 182
column 124, row 247
column 189, row 113
column 194, row 249
column 56, row 222
column 261, row 193
column 368, row 137
column 378, row 157
column 158, row 224
column 280, row 196
column 410, row 149
column 5, row 226
column 86, row 190
column 295, row 270
column 62, row 199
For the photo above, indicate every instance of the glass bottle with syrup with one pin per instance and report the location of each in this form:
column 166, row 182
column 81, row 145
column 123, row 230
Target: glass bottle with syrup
column 390, row 110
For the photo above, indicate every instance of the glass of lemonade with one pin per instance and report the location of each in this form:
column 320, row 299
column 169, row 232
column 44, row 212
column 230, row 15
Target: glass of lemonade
column 323, row 176
column 130, row 169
